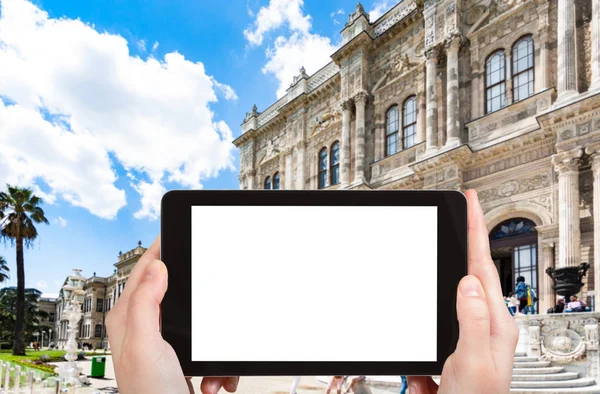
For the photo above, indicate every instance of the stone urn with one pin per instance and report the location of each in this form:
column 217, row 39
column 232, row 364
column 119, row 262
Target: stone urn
column 568, row 280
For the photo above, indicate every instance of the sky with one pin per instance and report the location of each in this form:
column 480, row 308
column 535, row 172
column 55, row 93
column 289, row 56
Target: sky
column 107, row 104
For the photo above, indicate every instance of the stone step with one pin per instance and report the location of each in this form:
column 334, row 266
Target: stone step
column 531, row 364
column 524, row 359
column 546, row 377
column 520, row 354
column 560, row 384
column 537, row 371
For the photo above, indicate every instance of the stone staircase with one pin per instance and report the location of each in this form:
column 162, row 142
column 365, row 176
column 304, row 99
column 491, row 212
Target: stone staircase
column 531, row 375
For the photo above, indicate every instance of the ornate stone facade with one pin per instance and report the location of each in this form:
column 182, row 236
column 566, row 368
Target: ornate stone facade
column 534, row 156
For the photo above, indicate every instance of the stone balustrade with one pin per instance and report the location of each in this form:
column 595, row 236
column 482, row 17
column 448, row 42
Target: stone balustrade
column 567, row 339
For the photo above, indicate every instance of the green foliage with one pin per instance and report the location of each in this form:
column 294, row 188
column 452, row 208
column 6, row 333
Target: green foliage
column 8, row 313
column 48, row 368
column 3, row 270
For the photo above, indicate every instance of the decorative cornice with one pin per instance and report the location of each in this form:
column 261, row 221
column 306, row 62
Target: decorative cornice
column 568, row 161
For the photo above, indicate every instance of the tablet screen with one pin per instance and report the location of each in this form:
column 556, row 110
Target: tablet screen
column 312, row 283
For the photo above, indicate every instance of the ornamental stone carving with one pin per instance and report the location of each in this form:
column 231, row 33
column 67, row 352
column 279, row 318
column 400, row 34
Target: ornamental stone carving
column 474, row 14
column 567, row 161
column 563, row 345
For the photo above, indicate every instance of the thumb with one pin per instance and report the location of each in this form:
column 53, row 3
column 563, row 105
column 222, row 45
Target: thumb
column 473, row 319
column 143, row 310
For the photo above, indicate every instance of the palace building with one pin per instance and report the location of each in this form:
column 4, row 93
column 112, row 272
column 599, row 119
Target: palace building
column 499, row 96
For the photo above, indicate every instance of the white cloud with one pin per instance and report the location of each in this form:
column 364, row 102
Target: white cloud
column 73, row 101
column 41, row 284
column 61, row 222
column 141, row 44
column 275, row 15
column 288, row 53
column 155, row 46
column 49, row 295
column 381, row 7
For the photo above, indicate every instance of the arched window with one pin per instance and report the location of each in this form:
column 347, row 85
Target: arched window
column 323, row 168
column 409, row 121
column 495, row 82
column 276, row 181
column 334, row 163
column 391, row 131
column 512, row 228
column 268, row 183
column 522, row 68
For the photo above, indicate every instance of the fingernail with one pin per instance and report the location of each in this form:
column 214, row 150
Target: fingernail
column 471, row 287
column 153, row 269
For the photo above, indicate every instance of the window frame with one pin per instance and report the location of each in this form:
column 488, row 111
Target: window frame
column 334, row 167
column 320, row 176
column 276, row 178
column 529, row 39
column 395, row 133
column 412, row 125
column 267, row 182
column 499, row 83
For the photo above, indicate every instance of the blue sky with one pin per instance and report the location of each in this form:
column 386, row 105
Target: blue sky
column 105, row 105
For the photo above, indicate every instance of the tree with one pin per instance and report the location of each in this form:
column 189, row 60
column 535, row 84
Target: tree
column 8, row 313
column 3, row 270
column 20, row 211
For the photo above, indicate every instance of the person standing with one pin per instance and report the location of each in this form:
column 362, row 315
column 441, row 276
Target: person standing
column 521, row 293
column 512, row 303
column 295, row 384
column 531, row 300
column 336, row 382
column 404, row 386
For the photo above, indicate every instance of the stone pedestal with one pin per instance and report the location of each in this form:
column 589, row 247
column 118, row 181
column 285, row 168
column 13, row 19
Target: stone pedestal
column 345, row 153
column 361, row 102
column 567, row 167
column 567, row 54
column 431, row 94
column 453, row 44
column 594, row 152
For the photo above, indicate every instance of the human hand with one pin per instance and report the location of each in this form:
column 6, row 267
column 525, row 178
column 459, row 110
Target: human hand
column 143, row 361
column 484, row 356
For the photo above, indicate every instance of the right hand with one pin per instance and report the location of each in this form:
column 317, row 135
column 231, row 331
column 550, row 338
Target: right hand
column 484, row 356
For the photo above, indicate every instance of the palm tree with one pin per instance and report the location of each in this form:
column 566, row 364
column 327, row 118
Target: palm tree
column 20, row 211
column 3, row 270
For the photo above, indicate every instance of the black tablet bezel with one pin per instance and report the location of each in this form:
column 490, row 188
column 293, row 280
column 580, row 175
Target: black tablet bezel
column 176, row 313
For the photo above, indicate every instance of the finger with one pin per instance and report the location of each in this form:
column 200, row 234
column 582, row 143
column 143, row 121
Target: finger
column 212, row 385
column 481, row 266
column 473, row 320
column 231, row 384
column 421, row 385
column 116, row 318
column 143, row 312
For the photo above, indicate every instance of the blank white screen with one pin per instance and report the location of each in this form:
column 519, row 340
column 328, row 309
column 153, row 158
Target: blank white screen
column 314, row 283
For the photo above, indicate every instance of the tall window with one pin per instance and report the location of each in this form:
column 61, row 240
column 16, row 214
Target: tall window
column 409, row 121
column 522, row 68
column 391, row 131
column 99, row 304
column 268, row 183
column 334, row 163
column 98, row 331
column 495, row 82
column 323, row 168
column 276, row 181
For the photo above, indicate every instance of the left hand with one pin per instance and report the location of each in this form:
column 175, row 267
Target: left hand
column 143, row 361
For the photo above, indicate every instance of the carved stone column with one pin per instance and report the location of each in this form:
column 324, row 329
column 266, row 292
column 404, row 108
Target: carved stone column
column 595, row 42
column 594, row 151
column 300, row 148
column 361, row 102
column 453, row 44
column 289, row 171
column 547, row 296
column 422, row 114
column 567, row 54
column 345, row 156
column 251, row 175
column 431, row 93
column 541, row 71
column 569, row 233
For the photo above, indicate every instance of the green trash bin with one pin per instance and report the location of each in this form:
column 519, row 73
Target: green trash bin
column 98, row 366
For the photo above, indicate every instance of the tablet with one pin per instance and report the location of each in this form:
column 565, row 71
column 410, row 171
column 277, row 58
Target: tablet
column 312, row 282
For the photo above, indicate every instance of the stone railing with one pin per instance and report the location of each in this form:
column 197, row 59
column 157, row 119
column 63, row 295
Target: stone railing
column 402, row 9
column 390, row 166
column 569, row 339
column 510, row 121
column 322, row 75
column 272, row 111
